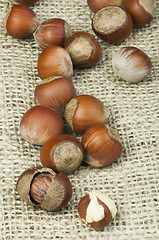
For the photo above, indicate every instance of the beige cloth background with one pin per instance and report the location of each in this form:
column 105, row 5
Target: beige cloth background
column 132, row 181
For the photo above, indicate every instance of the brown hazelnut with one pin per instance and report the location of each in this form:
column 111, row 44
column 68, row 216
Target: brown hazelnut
column 102, row 145
column 84, row 50
column 25, row 2
column 63, row 153
column 39, row 124
column 54, row 31
column 20, row 21
column 42, row 187
column 54, row 92
column 83, row 111
column 54, row 61
column 97, row 209
column 141, row 11
column 112, row 24
column 96, row 5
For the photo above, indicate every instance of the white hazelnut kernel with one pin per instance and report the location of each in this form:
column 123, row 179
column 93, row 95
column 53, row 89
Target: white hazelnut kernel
column 95, row 212
column 97, row 209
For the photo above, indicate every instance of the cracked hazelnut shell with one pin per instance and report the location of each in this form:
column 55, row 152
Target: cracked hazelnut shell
column 42, row 187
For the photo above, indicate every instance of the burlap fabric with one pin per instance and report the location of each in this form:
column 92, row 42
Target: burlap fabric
column 132, row 181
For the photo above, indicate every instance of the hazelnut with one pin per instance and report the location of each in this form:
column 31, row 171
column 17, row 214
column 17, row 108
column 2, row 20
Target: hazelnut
column 63, row 153
column 25, row 2
column 42, row 187
column 141, row 11
column 54, row 92
column 102, row 145
column 54, row 31
column 84, row 50
column 39, row 124
column 131, row 64
column 97, row 209
column 112, row 24
column 83, row 111
column 20, row 21
column 54, row 61
column 96, row 5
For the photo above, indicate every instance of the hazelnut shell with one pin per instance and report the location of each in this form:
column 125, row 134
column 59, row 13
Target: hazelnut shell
column 20, row 21
column 131, row 64
column 58, row 194
column 102, row 145
column 84, row 50
column 62, row 153
column 24, row 182
column 54, row 92
column 119, row 20
column 25, row 2
column 39, row 124
column 96, row 5
column 141, row 11
column 54, row 61
column 54, row 31
column 85, row 110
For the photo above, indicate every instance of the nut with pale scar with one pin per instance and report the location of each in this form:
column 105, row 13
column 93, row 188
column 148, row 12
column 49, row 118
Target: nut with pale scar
column 97, row 209
column 84, row 50
column 112, row 24
column 63, row 153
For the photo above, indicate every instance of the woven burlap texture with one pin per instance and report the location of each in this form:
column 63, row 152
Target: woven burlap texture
column 132, row 181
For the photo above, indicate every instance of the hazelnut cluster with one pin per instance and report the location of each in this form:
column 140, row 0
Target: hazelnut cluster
column 55, row 97
column 113, row 21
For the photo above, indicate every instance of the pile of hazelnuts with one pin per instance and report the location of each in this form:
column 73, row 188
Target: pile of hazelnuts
column 48, row 187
